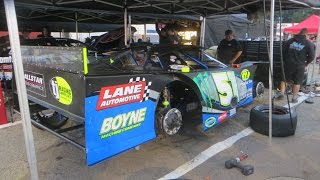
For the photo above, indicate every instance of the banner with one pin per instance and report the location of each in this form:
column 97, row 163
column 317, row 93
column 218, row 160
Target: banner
column 6, row 68
column 3, row 117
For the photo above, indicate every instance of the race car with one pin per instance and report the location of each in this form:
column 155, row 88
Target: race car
column 125, row 98
column 189, row 80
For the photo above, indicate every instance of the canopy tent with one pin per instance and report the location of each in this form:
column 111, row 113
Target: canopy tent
column 141, row 11
column 311, row 23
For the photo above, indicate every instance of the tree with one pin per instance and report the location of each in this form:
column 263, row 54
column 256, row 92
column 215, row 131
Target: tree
column 295, row 15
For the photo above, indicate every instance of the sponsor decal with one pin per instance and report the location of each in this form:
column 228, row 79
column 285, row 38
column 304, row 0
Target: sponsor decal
column 245, row 74
column 120, row 94
column 6, row 67
column 61, row 90
column 5, row 60
column 35, row 83
column 117, row 95
column 41, row 59
column 211, row 121
column 122, row 122
column 217, row 88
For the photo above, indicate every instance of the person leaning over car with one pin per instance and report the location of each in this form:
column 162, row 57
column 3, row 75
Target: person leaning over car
column 229, row 49
column 298, row 52
column 45, row 32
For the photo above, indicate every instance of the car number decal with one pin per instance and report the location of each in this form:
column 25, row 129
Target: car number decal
column 226, row 86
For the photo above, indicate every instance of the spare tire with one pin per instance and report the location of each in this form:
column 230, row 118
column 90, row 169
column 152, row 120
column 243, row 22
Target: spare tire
column 282, row 124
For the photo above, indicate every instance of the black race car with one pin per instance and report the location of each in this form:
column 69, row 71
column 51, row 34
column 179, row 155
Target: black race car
column 129, row 96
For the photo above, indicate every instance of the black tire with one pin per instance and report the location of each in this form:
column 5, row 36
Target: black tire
column 56, row 121
column 282, row 125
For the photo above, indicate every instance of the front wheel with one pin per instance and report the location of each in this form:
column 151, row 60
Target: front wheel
column 169, row 120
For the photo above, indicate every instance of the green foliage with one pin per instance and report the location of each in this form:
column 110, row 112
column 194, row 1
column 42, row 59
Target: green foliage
column 295, row 15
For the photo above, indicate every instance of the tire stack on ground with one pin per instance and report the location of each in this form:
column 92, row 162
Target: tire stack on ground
column 282, row 124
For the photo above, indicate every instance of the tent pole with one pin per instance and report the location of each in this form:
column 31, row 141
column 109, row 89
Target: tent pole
column 76, row 20
column 271, row 69
column 125, row 24
column 203, row 30
column 312, row 66
column 145, row 32
column 129, row 29
column 21, row 86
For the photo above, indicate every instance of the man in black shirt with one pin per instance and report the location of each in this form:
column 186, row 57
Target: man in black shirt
column 298, row 52
column 229, row 49
column 46, row 33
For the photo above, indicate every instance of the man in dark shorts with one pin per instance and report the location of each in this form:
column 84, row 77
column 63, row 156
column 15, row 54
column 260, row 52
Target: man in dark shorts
column 298, row 52
column 229, row 49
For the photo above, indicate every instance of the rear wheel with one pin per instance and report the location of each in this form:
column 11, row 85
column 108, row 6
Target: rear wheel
column 50, row 118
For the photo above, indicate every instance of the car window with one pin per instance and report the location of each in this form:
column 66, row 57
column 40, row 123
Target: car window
column 122, row 60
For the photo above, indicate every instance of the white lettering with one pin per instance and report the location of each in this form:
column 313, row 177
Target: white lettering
column 142, row 114
column 128, row 90
column 118, row 92
column 116, row 122
column 55, row 90
column 106, row 125
column 5, row 60
column 134, row 117
column 119, row 100
column 123, row 120
column 106, row 94
column 33, row 78
column 137, row 88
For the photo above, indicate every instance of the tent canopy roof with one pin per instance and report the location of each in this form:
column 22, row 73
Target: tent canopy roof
column 142, row 11
column 311, row 23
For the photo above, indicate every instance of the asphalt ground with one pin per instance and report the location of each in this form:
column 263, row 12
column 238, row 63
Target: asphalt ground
column 295, row 157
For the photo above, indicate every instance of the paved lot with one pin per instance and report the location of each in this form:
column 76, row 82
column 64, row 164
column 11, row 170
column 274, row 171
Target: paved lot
column 293, row 157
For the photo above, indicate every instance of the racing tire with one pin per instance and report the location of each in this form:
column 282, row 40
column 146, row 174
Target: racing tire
column 55, row 121
column 282, row 124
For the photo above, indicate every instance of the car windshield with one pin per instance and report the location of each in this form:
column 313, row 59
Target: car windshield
column 191, row 56
column 161, row 58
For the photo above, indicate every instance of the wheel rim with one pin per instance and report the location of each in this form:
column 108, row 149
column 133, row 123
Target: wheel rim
column 259, row 89
column 55, row 120
column 172, row 121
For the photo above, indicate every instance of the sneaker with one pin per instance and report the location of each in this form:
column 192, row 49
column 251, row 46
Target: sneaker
column 294, row 100
column 280, row 97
